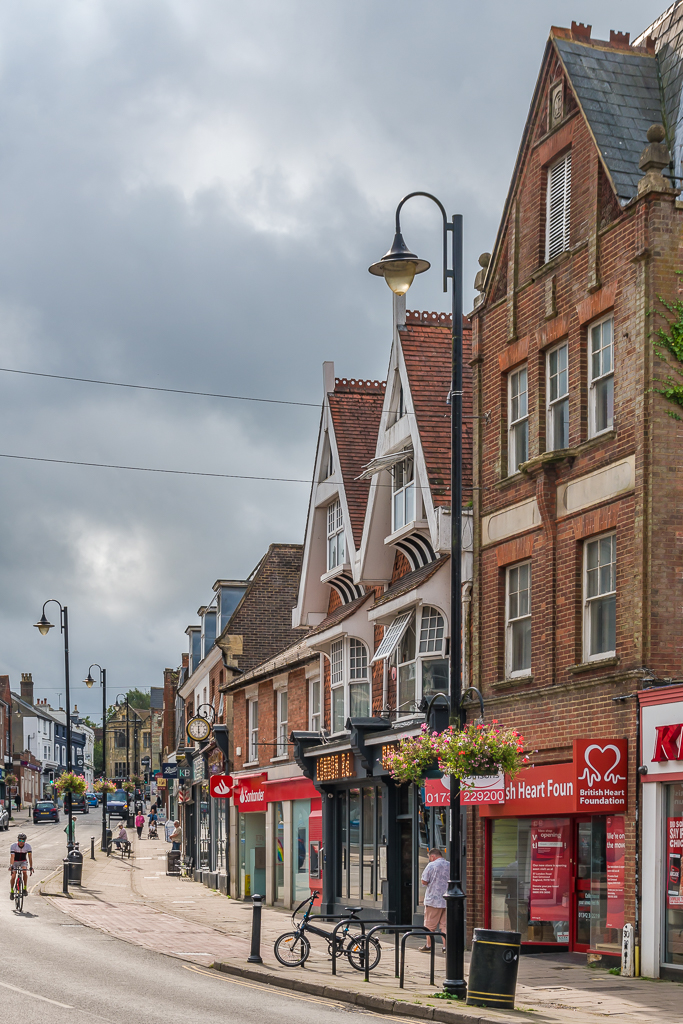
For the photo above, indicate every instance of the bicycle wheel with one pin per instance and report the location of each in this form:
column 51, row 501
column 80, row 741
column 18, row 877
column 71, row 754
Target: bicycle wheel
column 292, row 949
column 356, row 952
column 19, row 899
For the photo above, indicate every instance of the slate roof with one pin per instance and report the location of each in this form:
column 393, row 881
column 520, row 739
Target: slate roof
column 426, row 345
column 411, row 580
column 356, row 409
column 667, row 33
column 339, row 614
column 618, row 92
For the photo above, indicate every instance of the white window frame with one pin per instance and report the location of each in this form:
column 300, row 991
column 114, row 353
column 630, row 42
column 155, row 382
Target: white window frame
column 282, row 719
column 554, row 405
column 359, row 672
column 314, row 705
column 558, row 206
column 404, row 497
column 336, row 541
column 337, row 685
column 252, row 726
column 349, row 667
column 590, row 603
column 517, row 418
column 430, row 646
column 601, row 378
column 513, row 618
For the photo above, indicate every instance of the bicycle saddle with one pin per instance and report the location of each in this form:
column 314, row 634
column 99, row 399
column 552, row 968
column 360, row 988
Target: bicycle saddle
column 352, row 910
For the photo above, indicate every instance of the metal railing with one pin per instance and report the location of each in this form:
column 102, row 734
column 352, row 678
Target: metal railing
column 396, row 929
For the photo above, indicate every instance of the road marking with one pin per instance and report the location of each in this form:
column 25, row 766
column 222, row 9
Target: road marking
column 34, row 995
column 183, row 901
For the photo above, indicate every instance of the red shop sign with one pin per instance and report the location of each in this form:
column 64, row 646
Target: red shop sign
column 601, row 774
column 220, row 786
column 250, row 793
column 438, row 792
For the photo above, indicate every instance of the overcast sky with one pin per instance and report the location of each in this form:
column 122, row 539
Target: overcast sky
column 191, row 192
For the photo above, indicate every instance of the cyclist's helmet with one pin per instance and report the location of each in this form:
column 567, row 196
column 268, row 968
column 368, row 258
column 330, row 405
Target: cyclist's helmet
column 21, row 838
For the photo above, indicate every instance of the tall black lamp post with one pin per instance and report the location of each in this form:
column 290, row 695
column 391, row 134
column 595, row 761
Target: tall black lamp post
column 398, row 267
column 90, row 682
column 44, row 626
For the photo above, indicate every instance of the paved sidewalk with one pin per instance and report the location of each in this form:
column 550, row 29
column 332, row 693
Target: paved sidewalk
column 135, row 900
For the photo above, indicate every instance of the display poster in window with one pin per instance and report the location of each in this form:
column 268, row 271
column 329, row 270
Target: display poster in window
column 674, row 852
column 616, row 860
column 550, row 869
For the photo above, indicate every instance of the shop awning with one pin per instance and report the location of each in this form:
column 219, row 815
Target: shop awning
column 384, row 462
column 392, row 636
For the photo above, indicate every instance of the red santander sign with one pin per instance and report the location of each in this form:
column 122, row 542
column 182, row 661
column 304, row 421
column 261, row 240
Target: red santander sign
column 220, row 786
column 250, row 793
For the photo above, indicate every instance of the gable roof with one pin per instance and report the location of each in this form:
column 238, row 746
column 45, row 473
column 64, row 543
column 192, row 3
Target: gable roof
column 339, row 614
column 618, row 92
column 356, row 409
column 426, row 345
column 411, row 580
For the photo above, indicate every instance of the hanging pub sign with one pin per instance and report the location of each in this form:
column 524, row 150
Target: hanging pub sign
column 198, row 729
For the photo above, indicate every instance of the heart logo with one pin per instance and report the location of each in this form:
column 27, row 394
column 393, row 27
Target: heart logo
column 610, row 759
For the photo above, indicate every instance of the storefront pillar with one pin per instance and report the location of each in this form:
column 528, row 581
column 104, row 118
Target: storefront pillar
column 330, row 866
column 233, row 851
column 651, row 880
column 270, row 854
column 287, row 852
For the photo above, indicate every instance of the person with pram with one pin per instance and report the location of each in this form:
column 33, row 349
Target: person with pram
column 152, row 824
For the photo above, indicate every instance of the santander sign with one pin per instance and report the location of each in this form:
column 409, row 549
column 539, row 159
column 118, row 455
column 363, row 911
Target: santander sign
column 250, row 793
column 220, row 786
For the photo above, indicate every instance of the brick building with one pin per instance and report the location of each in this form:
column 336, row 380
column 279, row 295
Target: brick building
column 578, row 586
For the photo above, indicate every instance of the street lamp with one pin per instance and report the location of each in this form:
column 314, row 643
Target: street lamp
column 90, row 682
column 398, row 267
column 44, row 626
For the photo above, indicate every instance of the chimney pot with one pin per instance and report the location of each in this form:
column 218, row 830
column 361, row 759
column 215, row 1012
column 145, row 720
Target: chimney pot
column 27, row 687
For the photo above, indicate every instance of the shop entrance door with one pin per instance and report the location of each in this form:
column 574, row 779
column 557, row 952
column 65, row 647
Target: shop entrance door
column 406, row 836
column 598, row 889
column 582, row 887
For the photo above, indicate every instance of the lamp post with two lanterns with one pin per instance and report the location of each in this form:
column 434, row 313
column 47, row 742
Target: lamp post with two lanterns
column 90, row 682
column 44, row 626
column 399, row 267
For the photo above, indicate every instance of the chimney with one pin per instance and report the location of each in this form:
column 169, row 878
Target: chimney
column 27, row 687
column 581, row 31
column 185, row 662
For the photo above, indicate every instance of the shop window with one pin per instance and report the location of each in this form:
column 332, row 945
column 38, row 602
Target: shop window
column 358, row 809
column 673, row 889
column 282, row 729
column 518, row 419
column 403, row 494
column 314, row 705
column 336, row 545
column 279, row 858
column 301, row 810
column 337, row 685
column 601, row 377
column 252, row 707
column 557, row 390
column 600, row 602
column 518, row 616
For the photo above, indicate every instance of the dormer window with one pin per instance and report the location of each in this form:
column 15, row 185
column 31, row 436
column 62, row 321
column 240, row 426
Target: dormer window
column 336, row 547
column 403, row 494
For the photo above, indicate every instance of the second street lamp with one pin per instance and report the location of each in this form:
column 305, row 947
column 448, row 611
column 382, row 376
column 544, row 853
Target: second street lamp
column 44, row 626
column 90, row 682
column 398, row 267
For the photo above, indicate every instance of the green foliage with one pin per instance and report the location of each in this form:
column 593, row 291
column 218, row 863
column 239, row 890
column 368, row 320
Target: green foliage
column 98, row 757
column 669, row 348
column 139, row 699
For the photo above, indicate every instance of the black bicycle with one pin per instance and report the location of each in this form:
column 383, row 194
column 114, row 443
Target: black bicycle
column 293, row 948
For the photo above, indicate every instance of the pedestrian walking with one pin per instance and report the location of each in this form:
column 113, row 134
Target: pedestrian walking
column 17, row 802
column 176, row 836
column 139, row 823
column 435, row 877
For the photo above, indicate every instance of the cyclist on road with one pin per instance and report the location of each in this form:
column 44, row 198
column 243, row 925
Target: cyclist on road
column 21, row 857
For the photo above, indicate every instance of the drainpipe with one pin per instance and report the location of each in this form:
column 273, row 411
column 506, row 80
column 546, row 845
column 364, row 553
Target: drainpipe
column 466, row 618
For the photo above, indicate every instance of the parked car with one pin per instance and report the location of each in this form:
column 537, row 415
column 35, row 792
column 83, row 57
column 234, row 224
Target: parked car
column 45, row 810
column 4, row 817
column 79, row 803
column 92, row 799
column 117, row 803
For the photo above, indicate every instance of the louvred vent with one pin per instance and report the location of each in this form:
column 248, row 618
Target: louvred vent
column 559, row 191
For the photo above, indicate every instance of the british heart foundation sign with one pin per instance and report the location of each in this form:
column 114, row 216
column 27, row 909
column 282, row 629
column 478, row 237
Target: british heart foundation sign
column 601, row 774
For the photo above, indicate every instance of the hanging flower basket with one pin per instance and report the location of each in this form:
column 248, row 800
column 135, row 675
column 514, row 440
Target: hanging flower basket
column 104, row 786
column 481, row 750
column 474, row 750
column 137, row 780
column 128, row 786
column 11, row 780
column 69, row 782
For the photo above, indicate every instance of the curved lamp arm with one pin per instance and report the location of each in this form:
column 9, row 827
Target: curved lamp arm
column 428, row 195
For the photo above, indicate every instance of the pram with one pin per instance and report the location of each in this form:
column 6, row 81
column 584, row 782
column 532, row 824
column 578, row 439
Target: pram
column 152, row 830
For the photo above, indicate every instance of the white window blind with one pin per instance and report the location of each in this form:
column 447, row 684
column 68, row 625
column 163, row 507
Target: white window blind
column 559, row 192
column 392, row 636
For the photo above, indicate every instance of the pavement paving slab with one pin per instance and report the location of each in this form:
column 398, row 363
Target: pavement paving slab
column 135, row 900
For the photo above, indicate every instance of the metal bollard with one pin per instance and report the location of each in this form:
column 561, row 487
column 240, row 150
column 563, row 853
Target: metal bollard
column 92, row 847
column 65, row 877
column 255, row 955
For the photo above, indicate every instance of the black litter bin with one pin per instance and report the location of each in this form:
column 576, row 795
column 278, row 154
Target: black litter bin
column 75, row 861
column 173, row 862
column 493, row 969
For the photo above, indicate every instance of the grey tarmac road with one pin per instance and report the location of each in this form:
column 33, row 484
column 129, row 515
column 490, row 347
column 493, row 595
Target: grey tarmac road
column 54, row 971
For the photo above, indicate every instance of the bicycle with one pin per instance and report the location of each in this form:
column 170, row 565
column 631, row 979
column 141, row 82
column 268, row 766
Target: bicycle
column 293, row 948
column 18, row 890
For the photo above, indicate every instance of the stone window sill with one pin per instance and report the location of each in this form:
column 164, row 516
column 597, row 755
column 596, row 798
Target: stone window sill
column 250, row 764
column 280, row 757
column 589, row 666
column 504, row 684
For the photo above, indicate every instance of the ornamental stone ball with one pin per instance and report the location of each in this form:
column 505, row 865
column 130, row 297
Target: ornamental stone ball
column 656, row 133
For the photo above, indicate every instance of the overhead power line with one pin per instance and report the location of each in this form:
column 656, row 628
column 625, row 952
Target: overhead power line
column 150, row 387
column 148, row 469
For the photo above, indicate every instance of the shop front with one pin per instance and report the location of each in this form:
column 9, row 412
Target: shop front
column 556, row 852
column 661, row 776
column 275, row 844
